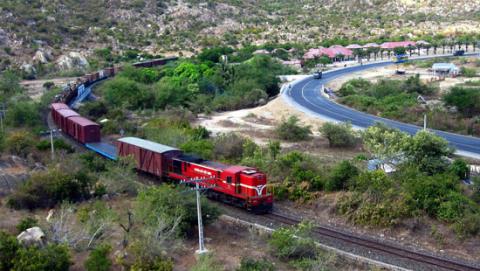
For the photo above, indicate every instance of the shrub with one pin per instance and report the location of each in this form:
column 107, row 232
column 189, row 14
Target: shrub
column 123, row 91
column 468, row 72
column 341, row 174
column 203, row 148
column 46, row 189
column 19, row 142
column 293, row 243
column 467, row 226
column 229, row 146
column 23, row 114
column 170, row 204
column 338, row 135
column 248, row 264
column 8, row 251
column 26, row 223
column 291, row 130
column 465, row 99
column 50, row 258
column 58, row 144
column 454, row 206
column 159, row 264
column 206, row 262
column 460, row 168
column 98, row 259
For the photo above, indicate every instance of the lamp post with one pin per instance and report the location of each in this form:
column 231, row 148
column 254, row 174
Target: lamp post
column 197, row 181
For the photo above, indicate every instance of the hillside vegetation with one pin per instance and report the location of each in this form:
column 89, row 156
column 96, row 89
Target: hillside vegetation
column 172, row 26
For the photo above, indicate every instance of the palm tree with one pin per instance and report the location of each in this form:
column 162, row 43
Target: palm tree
column 427, row 47
column 444, row 43
column 435, row 46
column 410, row 49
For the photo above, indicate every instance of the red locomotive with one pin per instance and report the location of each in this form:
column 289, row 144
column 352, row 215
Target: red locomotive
column 237, row 185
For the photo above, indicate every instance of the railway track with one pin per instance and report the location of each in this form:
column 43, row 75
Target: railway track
column 397, row 251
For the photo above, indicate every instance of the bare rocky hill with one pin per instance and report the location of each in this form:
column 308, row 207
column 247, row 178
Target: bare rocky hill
column 170, row 27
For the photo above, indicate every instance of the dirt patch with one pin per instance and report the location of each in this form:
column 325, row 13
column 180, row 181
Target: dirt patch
column 35, row 88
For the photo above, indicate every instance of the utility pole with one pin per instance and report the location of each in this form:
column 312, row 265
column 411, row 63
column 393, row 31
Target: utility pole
column 197, row 181
column 425, row 121
column 51, row 132
column 3, row 111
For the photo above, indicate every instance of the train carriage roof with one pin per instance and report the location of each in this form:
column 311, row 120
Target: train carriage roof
column 148, row 145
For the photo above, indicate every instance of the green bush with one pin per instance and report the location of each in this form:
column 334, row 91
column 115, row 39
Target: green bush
column 468, row 225
column 293, row 243
column 170, row 204
column 248, row 264
column 9, row 248
column 26, row 223
column 206, row 262
column 341, row 174
column 460, row 168
column 203, row 148
column 291, row 130
column 123, row 91
column 19, row 143
column 58, row 144
column 468, row 72
column 50, row 258
column 159, row 264
column 23, row 114
column 454, row 206
column 465, row 99
column 338, row 135
column 98, row 259
column 46, row 189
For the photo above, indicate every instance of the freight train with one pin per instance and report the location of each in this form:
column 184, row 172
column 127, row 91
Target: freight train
column 241, row 186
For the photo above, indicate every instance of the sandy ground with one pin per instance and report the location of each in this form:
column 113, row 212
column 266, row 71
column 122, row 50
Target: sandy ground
column 35, row 88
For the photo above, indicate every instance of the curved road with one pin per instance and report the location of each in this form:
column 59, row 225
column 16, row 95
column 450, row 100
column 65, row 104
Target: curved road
column 305, row 95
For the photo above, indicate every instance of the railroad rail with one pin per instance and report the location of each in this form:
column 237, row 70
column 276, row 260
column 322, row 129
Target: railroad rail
column 398, row 251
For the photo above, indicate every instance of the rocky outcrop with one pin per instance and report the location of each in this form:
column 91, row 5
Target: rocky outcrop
column 32, row 237
column 42, row 56
column 71, row 61
column 3, row 37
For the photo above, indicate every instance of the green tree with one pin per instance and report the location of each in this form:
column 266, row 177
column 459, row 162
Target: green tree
column 467, row 100
column 9, row 85
column 338, row 135
column 23, row 114
column 123, row 91
column 399, row 50
column 294, row 242
column 384, row 143
column 427, row 151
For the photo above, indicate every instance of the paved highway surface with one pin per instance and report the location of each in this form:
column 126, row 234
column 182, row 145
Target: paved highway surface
column 306, row 95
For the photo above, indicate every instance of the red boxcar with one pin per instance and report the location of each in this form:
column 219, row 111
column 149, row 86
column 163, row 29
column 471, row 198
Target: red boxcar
column 83, row 130
column 63, row 116
column 151, row 157
column 54, row 108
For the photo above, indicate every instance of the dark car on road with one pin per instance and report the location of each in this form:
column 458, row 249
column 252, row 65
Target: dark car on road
column 459, row 53
column 317, row 75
